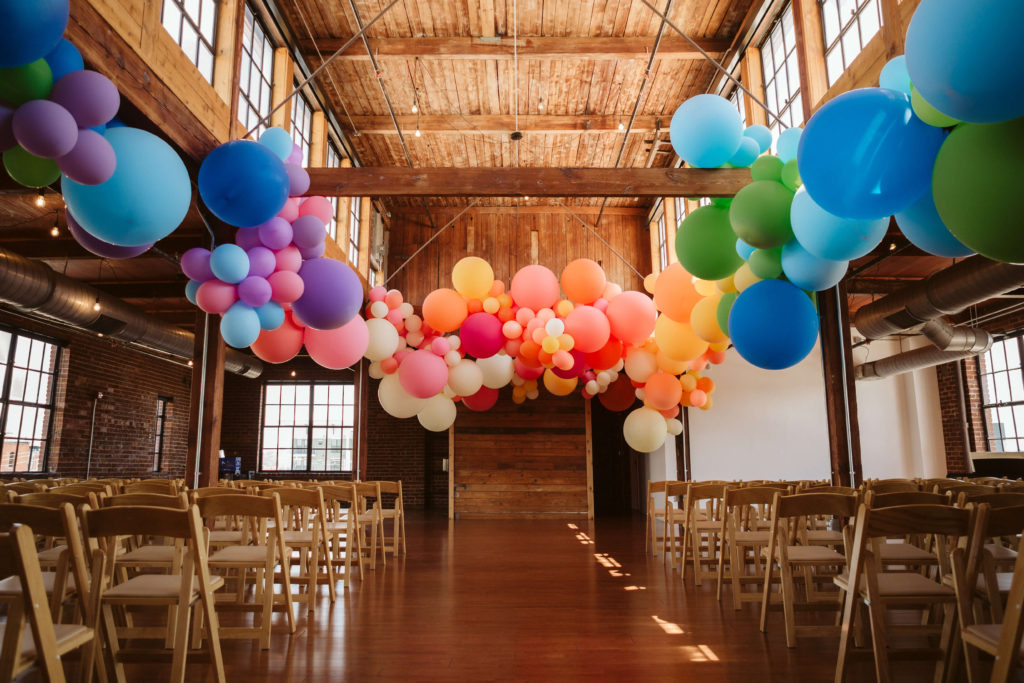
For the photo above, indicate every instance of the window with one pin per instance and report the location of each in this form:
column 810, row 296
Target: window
column 257, row 69
column 163, row 407
column 333, row 161
column 662, row 243
column 354, row 225
column 781, row 74
column 736, row 98
column 28, row 370
column 307, row 426
column 847, row 26
column 302, row 125
column 373, row 278
column 193, row 25
column 1002, row 394
column 680, row 204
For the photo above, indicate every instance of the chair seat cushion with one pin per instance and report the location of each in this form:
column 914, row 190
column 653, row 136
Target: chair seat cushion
column 68, row 637
column 824, row 536
column 157, row 554
column 988, row 634
column 1003, row 581
column 1000, row 553
column 225, row 536
column 12, row 584
column 51, row 555
column 298, row 537
column 817, row 554
column 896, row 553
column 253, row 555
column 752, row 537
column 899, row 584
column 156, row 586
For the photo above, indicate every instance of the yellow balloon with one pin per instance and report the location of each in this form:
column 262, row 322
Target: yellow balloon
column 677, row 340
column 745, row 277
column 649, row 283
column 704, row 320
column 557, row 385
column 707, row 404
column 688, row 382
column 705, row 287
column 473, row 277
column 564, row 308
column 491, row 305
column 671, row 365
column 726, row 285
column 566, row 342
column 723, row 346
column 550, row 344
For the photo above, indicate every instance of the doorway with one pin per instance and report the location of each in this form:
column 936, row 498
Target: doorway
column 615, row 464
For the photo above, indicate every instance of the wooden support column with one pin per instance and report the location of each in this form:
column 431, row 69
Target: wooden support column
column 752, row 77
column 671, row 223
column 840, row 389
column 588, row 417
column 318, row 141
column 362, row 412
column 230, row 17
column 810, row 53
column 893, row 29
column 282, row 86
column 451, row 472
column 206, row 403
column 652, row 231
column 683, row 469
column 365, row 217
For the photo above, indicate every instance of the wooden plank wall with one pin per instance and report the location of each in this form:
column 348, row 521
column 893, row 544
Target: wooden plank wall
column 527, row 460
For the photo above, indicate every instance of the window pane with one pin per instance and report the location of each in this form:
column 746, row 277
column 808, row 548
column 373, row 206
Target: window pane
column 5, row 345
column 192, row 24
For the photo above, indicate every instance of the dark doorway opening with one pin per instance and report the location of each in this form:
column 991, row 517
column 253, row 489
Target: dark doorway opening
column 614, row 463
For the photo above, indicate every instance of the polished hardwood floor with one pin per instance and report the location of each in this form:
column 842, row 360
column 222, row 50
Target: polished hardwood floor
column 529, row 600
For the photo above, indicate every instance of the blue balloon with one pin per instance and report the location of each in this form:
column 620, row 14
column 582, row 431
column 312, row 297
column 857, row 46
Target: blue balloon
column 894, row 75
column 115, row 123
column 965, row 58
column 190, row 291
column 230, row 263
column 706, row 131
column 243, row 183
column 773, row 324
column 761, row 134
column 865, row 155
column 240, row 326
column 746, row 154
column 31, row 29
column 807, row 271
column 278, row 141
column 921, row 224
column 271, row 315
column 64, row 59
column 143, row 202
column 789, row 141
column 744, row 249
column 831, row 237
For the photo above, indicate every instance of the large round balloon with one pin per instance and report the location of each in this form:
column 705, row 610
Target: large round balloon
column 146, row 198
column 559, row 386
column 773, row 325
column 977, row 188
column 632, row 316
column 438, row 413
column 831, row 237
column 583, row 281
column 423, row 374
column 759, row 214
column 98, row 246
column 395, row 400
column 240, row 326
column 678, row 340
column 444, row 310
column 89, row 96
column 496, row 371
column 955, row 51
column 588, row 327
column 31, row 29
column 481, row 335
column 28, row 169
column 674, row 293
column 280, row 345
column 645, row 429
column 534, row 287
column 243, row 183
column 706, row 131
column 921, row 224
column 472, row 277
column 865, row 155
column 704, row 321
column 338, row 348
column 332, row 294
column 706, row 244
column 807, row 271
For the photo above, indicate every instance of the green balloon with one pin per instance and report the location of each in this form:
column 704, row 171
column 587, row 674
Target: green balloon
column 721, row 201
column 760, row 214
column 723, row 310
column 791, row 176
column 767, row 167
column 766, row 263
column 928, row 113
column 706, row 244
column 30, row 170
column 24, row 83
column 976, row 184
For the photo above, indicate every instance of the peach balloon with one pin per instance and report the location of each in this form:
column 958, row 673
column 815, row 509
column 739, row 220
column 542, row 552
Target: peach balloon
column 698, row 398
column 716, row 357
column 640, row 365
column 688, row 383
column 564, row 308
column 670, row 413
column 497, row 288
column 589, row 327
column 339, row 347
column 663, row 391
column 279, row 345
column 512, row 330
column 444, row 310
column 677, row 339
column 674, row 294
column 671, row 365
column 704, row 320
column 611, row 291
column 632, row 317
column 583, row 280
column 535, row 287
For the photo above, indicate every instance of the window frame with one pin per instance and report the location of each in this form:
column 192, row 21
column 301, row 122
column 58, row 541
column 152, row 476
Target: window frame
column 333, row 161
column 986, row 406
column 853, row 23
column 195, row 24
column 301, row 119
column 247, row 106
column 663, row 259
column 355, row 227
column 790, row 113
column 310, row 426
column 50, row 406
column 160, row 430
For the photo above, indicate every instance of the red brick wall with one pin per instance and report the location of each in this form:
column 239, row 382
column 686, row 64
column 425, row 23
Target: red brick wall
column 397, row 449
column 957, row 451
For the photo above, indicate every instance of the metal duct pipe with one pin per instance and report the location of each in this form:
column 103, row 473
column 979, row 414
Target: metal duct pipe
column 945, row 337
column 30, row 286
column 950, row 344
column 949, row 291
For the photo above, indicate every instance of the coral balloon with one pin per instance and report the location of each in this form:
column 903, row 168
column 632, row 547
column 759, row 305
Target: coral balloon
column 662, row 391
column 583, row 281
column 444, row 310
column 589, row 328
column 632, row 316
column 473, row 277
column 534, row 287
column 423, row 374
column 280, row 345
column 674, row 293
column 214, row 296
column 338, row 348
column 605, row 357
column 285, row 286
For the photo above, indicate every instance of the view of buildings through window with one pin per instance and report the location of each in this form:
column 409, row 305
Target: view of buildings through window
column 193, row 25
column 333, row 161
column 663, row 246
column 307, row 426
column 1002, row 394
column 354, row 227
column 28, row 372
column 257, row 69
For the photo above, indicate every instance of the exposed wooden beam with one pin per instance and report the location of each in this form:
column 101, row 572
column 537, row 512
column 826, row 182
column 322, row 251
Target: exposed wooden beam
column 503, row 124
column 529, row 47
column 532, row 182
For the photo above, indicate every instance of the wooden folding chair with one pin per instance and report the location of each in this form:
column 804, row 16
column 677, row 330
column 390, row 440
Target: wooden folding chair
column 743, row 537
column 167, row 487
column 368, row 517
column 910, row 552
column 341, row 504
column 893, row 486
column 673, row 516
column 701, row 539
column 396, row 513
column 656, row 506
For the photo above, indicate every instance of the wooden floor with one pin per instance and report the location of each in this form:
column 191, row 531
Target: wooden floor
column 530, row 600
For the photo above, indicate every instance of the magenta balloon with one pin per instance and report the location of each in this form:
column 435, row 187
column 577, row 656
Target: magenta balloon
column 579, row 364
column 98, row 246
column 7, row 132
column 288, row 258
column 423, row 374
column 90, row 96
column 285, row 286
column 45, row 129
column 254, row 291
column 526, row 371
column 261, row 261
column 481, row 400
column 195, row 263
column 309, row 253
column 481, row 335
column 214, row 296
column 332, row 294
column 298, row 180
column 341, row 347
column 247, row 238
column 92, row 160
column 308, row 232
column 276, row 233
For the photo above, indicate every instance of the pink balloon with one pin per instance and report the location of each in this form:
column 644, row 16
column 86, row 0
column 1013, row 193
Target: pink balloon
column 215, row 296
column 389, row 365
column 481, row 400
column 394, row 317
column 574, row 368
column 393, row 299
column 440, row 346
column 524, row 316
column 512, row 347
column 288, row 258
column 378, row 293
column 632, row 316
column 291, row 209
column 338, row 348
column 280, row 345
column 285, row 286
column 535, row 287
column 525, row 371
column 588, row 327
column 320, row 207
column 563, row 360
column 481, row 335
column 401, row 355
column 423, row 374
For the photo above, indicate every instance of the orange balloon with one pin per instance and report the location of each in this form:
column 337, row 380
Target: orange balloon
column 583, row 281
column 674, row 294
column 444, row 310
column 605, row 357
column 663, row 391
column 715, row 357
column 670, row 413
column 706, row 384
column 528, row 352
column 698, row 398
column 474, row 305
column 619, row 396
column 558, row 386
column 677, row 340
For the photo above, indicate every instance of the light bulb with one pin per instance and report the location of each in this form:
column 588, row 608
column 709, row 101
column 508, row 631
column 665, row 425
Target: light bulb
column 415, row 109
column 892, row 246
column 417, row 132
column 41, row 199
column 190, row 363
column 622, row 126
column 54, row 231
column 96, row 305
column 526, row 197
column 293, row 373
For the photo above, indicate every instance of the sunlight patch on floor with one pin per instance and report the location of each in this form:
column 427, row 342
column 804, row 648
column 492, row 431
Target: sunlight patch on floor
column 699, row 653
column 667, row 626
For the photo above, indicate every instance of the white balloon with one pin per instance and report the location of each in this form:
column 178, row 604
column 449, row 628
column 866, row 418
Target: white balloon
column 645, row 430
column 438, row 413
column 394, row 399
column 603, row 378
column 452, row 358
column 532, row 394
column 640, row 365
column 592, row 387
column 466, row 377
column 414, row 338
column 498, row 370
column 618, row 366
column 448, row 391
column 554, row 327
column 378, row 309
column 374, row 370
column 413, row 323
column 405, row 309
column 384, row 338
column 675, row 427
column 454, row 342
column 640, row 393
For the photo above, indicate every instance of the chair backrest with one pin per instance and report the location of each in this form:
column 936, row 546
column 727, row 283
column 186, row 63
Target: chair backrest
column 965, row 487
column 805, row 503
column 389, row 487
column 137, row 520
column 261, row 510
column 995, row 500
column 165, row 486
column 885, row 500
column 1004, row 521
column 25, row 487
column 84, row 487
column 893, row 486
column 157, row 500
column 54, row 500
column 842, row 490
column 677, row 490
column 300, row 508
column 207, row 491
column 754, row 495
column 366, row 491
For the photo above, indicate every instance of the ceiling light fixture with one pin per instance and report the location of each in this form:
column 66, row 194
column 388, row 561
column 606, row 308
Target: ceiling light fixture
column 190, row 363
column 293, row 373
column 892, row 246
column 55, row 230
column 96, row 304
column 41, row 199
column 417, row 132
column 415, row 109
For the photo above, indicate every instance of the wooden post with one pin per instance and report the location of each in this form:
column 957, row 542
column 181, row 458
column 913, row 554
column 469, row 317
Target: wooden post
column 318, row 141
column 810, row 53
column 363, row 258
column 206, row 403
column 683, row 471
column 587, row 416
column 652, row 231
column 227, row 51
column 840, row 390
column 283, row 83
column 752, row 77
column 363, row 415
column 451, row 472
column 893, row 30
column 671, row 223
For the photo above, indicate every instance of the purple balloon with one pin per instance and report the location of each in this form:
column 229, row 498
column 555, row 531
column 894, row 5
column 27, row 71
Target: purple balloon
column 262, row 261
column 91, row 162
column 276, row 233
column 247, row 238
column 91, row 97
column 298, row 180
column 254, row 291
column 308, row 232
column 296, row 156
column 6, row 130
column 45, row 129
column 195, row 263
column 312, row 252
column 98, row 246
column 332, row 295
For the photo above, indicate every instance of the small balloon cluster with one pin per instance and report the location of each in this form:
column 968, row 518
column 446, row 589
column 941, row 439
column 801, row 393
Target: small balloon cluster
column 273, row 286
